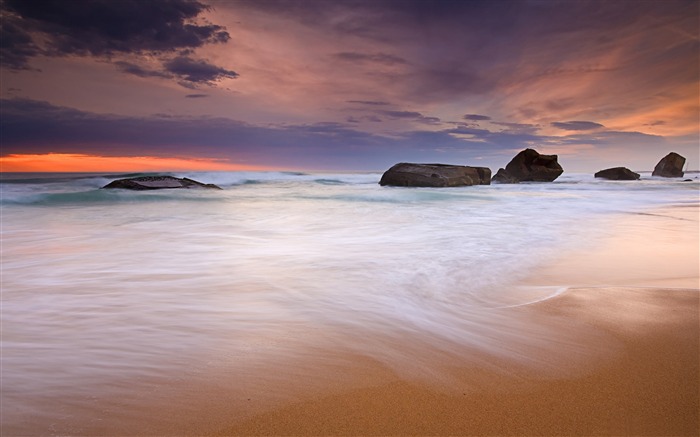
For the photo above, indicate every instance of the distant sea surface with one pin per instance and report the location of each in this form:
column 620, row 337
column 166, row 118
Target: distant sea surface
column 114, row 293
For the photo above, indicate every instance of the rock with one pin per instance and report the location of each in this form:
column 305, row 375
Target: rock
column 670, row 166
column 502, row 177
column 618, row 174
column 528, row 165
column 435, row 175
column 157, row 183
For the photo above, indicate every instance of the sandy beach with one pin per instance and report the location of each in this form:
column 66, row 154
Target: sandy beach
column 649, row 387
column 599, row 338
column 632, row 299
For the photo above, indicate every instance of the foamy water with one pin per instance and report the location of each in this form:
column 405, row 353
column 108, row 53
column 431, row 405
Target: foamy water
column 110, row 297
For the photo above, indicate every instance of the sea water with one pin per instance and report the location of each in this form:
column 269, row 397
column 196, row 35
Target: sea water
column 110, row 298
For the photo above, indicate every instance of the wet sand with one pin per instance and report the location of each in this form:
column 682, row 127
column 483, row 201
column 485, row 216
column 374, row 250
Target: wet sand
column 648, row 387
column 616, row 353
column 634, row 295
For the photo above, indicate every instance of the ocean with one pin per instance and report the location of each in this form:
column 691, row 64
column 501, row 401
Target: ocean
column 115, row 300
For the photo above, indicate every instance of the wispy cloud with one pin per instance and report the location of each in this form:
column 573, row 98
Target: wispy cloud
column 577, row 125
column 380, row 58
column 197, row 71
column 369, row 102
column 476, row 117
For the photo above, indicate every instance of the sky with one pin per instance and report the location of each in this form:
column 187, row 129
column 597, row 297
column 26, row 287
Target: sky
column 346, row 85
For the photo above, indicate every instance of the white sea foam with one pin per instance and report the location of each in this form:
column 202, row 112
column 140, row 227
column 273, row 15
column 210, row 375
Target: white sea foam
column 100, row 286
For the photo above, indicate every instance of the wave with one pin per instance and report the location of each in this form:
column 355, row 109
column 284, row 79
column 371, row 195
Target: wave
column 97, row 197
column 49, row 178
column 330, row 182
column 596, row 194
column 230, row 179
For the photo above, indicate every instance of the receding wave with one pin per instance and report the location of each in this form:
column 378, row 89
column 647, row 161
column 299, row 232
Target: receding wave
column 102, row 197
column 330, row 182
column 126, row 293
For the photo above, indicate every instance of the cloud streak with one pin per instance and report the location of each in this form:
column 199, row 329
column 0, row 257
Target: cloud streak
column 577, row 125
column 380, row 58
column 197, row 71
column 33, row 127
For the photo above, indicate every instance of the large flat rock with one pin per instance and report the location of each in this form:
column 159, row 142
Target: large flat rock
column 617, row 174
column 406, row 174
column 157, row 183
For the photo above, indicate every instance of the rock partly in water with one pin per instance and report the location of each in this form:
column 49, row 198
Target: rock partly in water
column 529, row 166
column 670, row 166
column 618, row 174
column 158, row 183
column 435, row 175
column 502, row 177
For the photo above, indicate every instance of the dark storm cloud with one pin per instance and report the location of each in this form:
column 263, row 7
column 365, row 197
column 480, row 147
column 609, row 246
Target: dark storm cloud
column 16, row 45
column 476, row 117
column 197, row 71
column 577, row 125
column 108, row 29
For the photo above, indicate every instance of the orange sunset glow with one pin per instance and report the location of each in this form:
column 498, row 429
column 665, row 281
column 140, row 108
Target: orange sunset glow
column 65, row 162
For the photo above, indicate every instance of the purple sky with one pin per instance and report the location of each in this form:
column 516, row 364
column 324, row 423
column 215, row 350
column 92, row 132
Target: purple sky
column 353, row 84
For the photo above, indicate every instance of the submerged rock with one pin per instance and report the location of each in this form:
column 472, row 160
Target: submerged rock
column 158, row 183
column 618, row 174
column 405, row 174
column 529, row 166
column 670, row 166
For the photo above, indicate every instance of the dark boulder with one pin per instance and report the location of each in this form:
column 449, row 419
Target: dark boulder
column 157, row 183
column 529, row 166
column 670, row 166
column 502, row 177
column 435, row 175
column 618, row 174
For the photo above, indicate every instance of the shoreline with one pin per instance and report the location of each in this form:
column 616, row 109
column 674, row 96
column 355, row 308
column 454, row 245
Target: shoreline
column 649, row 386
column 602, row 340
column 639, row 307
